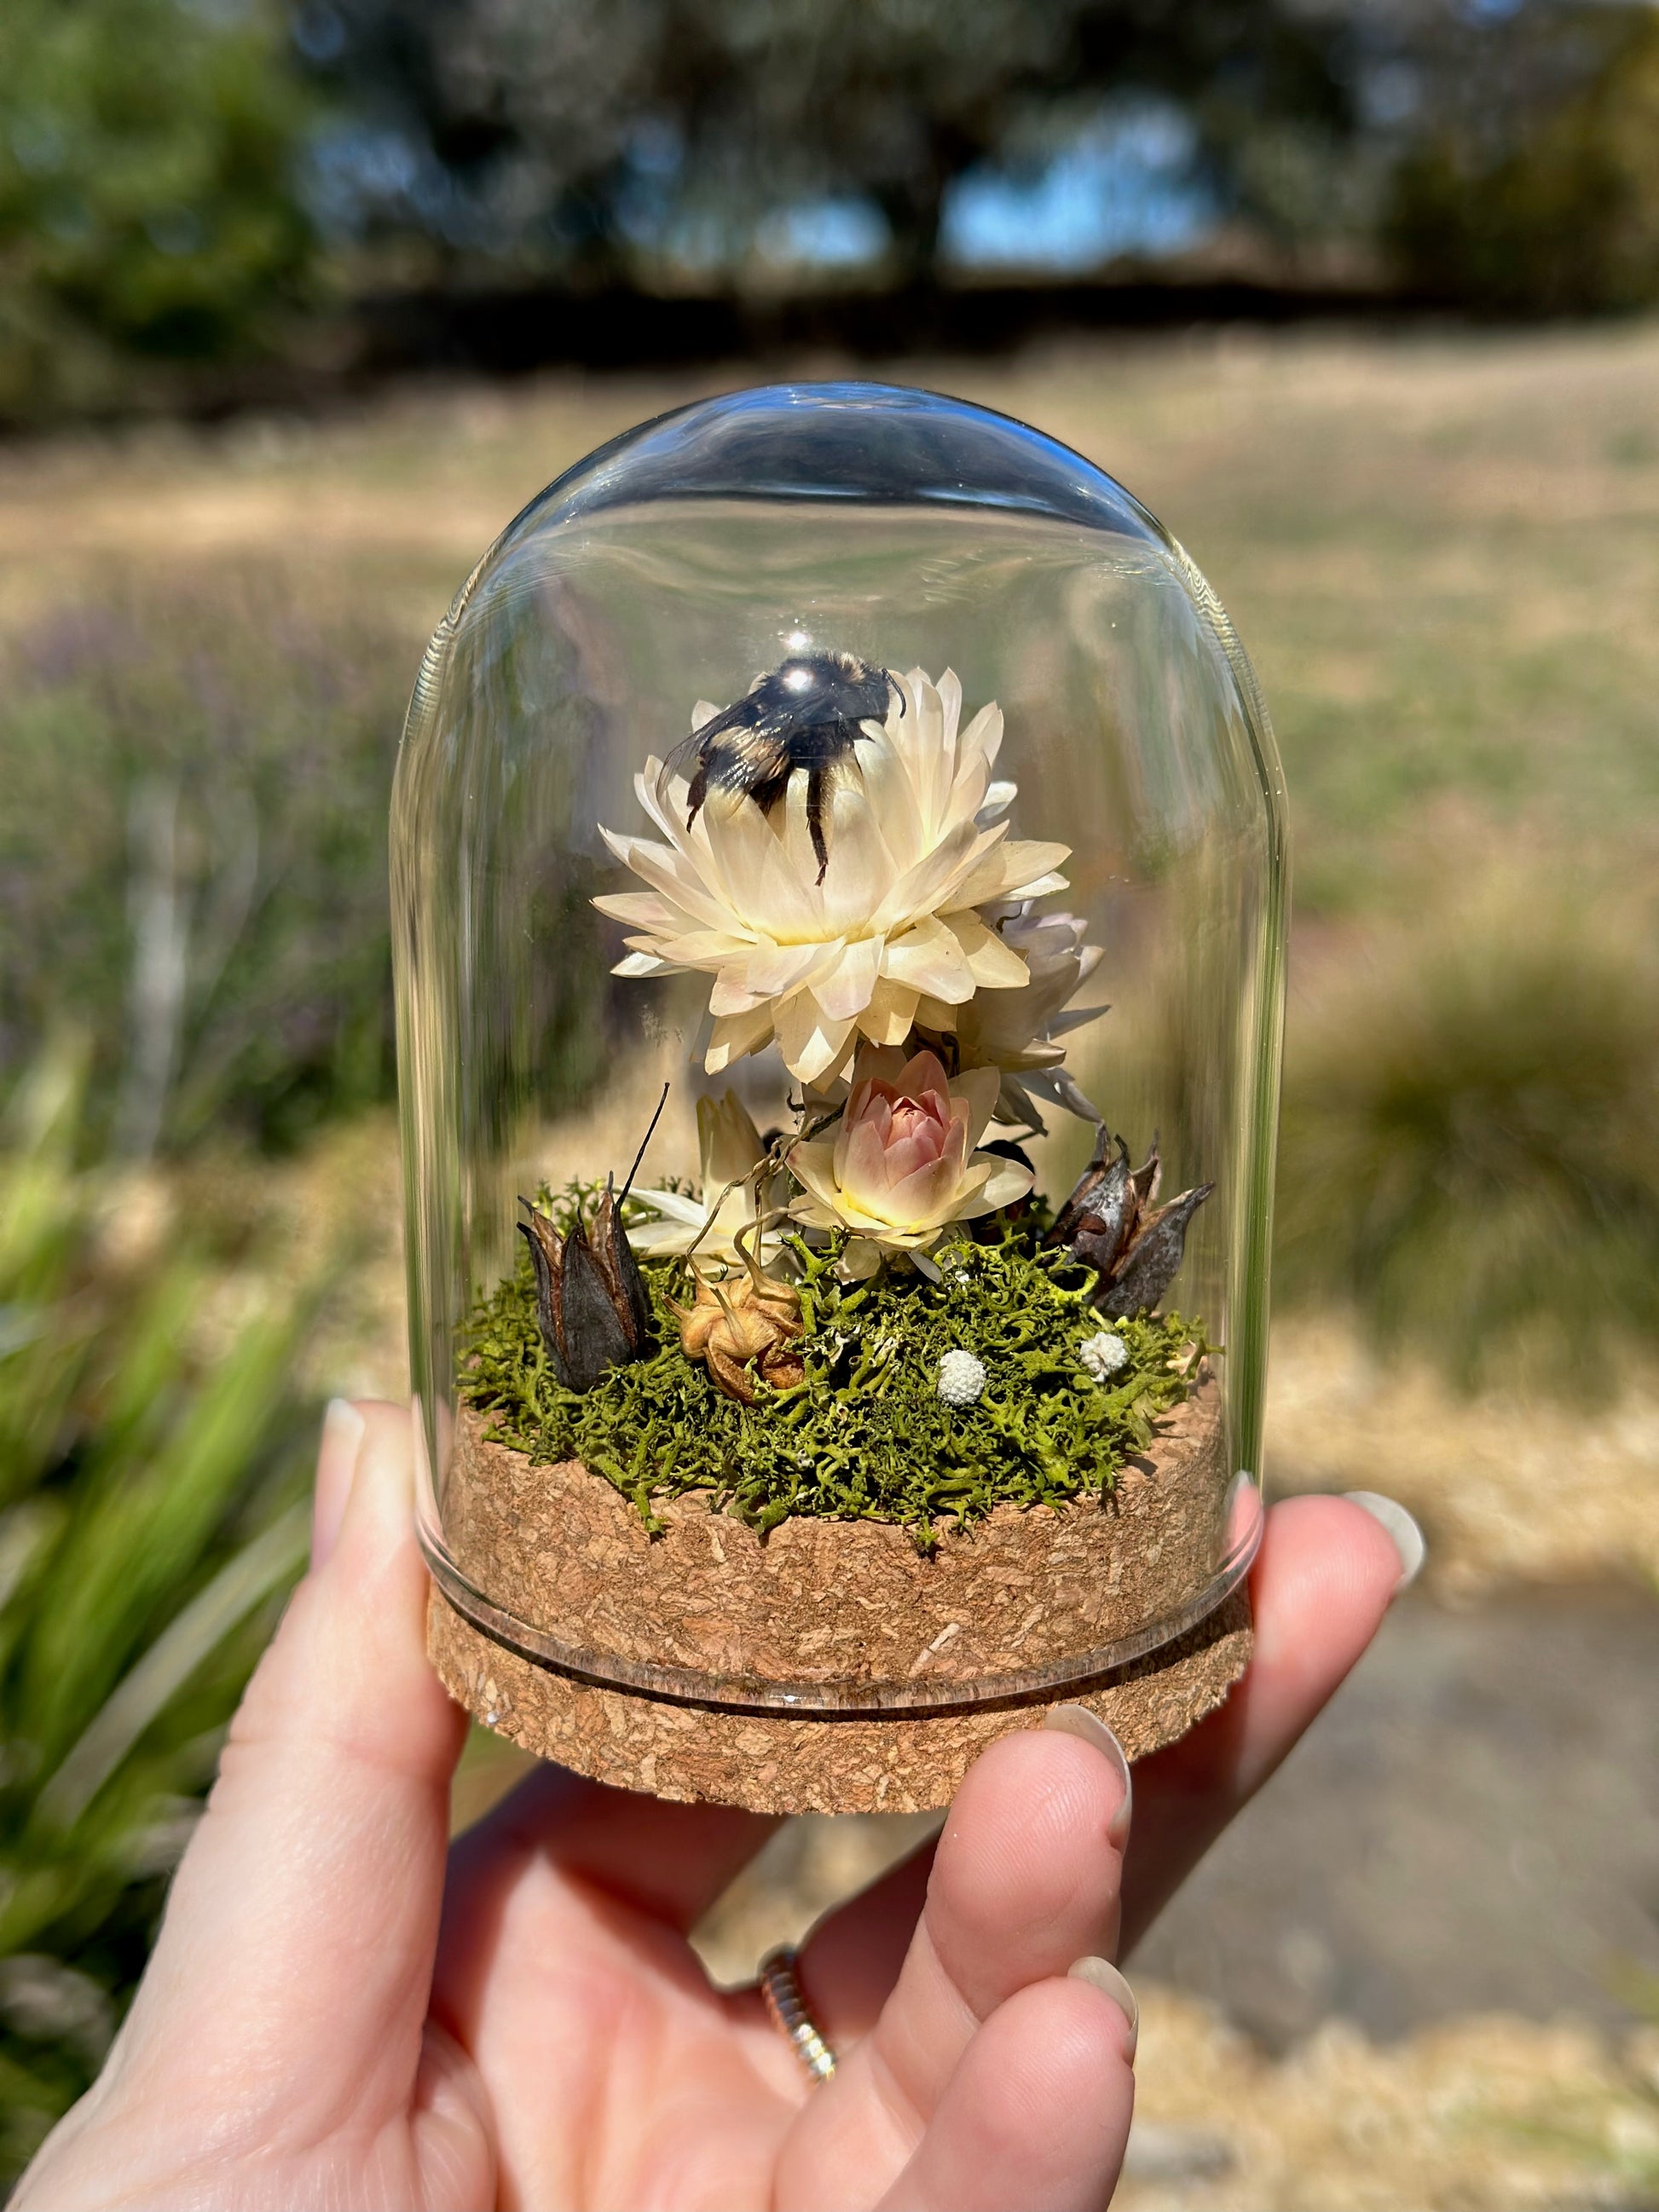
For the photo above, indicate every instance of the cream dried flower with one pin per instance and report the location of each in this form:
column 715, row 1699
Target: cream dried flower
column 900, row 1166
column 915, row 843
column 730, row 1151
column 1020, row 1032
column 743, row 1330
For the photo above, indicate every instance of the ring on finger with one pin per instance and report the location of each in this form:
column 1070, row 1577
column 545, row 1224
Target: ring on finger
column 779, row 1988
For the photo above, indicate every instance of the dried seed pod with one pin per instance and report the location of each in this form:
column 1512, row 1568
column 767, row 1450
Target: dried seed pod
column 743, row 1330
column 1099, row 1215
column 621, row 1270
column 590, row 1297
column 1109, row 1224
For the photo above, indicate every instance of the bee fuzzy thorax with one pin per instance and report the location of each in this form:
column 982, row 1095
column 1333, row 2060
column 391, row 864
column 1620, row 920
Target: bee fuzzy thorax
column 808, row 713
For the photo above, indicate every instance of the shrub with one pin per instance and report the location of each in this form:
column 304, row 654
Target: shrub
column 1470, row 1152
column 147, row 209
column 1559, row 215
column 192, row 854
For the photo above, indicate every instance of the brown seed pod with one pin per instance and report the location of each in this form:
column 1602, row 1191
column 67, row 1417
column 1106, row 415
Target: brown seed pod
column 590, row 1298
column 1109, row 1224
column 743, row 1330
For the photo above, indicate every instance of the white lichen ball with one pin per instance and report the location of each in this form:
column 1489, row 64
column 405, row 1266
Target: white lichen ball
column 1103, row 1355
column 961, row 1377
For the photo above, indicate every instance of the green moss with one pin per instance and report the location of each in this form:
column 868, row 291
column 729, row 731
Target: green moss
column 866, row 1435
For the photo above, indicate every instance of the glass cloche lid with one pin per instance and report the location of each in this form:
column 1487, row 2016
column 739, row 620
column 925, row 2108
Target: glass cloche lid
column 839, row 877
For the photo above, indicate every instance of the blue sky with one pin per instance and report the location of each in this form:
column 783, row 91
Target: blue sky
column 1123, row 184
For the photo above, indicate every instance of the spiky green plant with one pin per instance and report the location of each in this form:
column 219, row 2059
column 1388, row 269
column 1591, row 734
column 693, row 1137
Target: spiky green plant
column 1471, row 1151
column 150, row 1519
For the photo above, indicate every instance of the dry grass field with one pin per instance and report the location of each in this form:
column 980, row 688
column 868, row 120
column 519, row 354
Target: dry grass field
column 1443, row 552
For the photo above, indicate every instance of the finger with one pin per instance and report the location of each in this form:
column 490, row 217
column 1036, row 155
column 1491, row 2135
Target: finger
column 1025, row 1880
column 296, row 1953
column 564, row 1970
column 343, row 1427
column 1315, row 1614
column 1037, row 2114
column 854, row 1954
column 1321, row 1584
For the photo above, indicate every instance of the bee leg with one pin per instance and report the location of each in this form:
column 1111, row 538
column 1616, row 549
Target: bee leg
column 697, row 792
column 818, row 784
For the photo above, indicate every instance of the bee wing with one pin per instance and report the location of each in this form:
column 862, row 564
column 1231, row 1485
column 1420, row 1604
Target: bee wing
column 690, row 757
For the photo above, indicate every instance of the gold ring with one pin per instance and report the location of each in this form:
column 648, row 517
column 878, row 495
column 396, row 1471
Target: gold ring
column 779, row 1986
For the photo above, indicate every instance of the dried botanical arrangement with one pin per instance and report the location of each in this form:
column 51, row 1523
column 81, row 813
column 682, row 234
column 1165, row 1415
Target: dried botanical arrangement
column 870, row 1314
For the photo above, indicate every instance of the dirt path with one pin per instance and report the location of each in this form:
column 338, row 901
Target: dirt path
column 1473, row 1826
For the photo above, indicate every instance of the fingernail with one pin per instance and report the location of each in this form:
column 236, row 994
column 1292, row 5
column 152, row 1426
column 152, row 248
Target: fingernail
column 1406, row 1535
column 336, row 1463
column 1102, row 1975
column 1089, row 1728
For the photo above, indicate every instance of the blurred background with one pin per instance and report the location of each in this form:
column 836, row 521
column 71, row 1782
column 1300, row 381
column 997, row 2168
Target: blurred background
column 298, row 305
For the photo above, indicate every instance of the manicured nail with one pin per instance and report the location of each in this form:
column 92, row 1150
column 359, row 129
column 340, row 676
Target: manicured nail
column 1089, row 1728
column 1406, row 1535
column 1102, row 1975
column 336, row 1463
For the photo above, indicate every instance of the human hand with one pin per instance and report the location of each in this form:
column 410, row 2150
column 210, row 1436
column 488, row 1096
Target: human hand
column 341, row 2009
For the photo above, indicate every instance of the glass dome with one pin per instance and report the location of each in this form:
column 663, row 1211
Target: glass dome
column 839, row 888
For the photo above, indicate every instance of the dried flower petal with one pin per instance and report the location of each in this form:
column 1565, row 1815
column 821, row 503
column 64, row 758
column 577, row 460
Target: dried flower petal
column 901, row 1164
column 913, row 848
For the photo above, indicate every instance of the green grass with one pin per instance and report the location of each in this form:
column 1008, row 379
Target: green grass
column 193, row 831
column 1470, row 1150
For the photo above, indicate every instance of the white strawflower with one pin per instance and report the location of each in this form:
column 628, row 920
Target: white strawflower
column 1103, row 1355
column 961, row 1377
column 1020, row 1032
column 730, row 1147
column 883, row 934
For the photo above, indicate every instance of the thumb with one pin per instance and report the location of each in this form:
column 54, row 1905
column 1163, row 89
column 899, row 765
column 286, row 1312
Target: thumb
column 295, row 1961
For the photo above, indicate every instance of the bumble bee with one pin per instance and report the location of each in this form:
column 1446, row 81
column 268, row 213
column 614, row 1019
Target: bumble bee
column 809, row 713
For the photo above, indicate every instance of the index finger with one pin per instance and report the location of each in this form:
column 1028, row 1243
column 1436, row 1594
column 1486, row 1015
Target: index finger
column 1319, row 1587
column 1321, row 1583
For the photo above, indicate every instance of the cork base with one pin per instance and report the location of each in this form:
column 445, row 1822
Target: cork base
column 831, row 1665
column 892, row 1764
column 846, row 1613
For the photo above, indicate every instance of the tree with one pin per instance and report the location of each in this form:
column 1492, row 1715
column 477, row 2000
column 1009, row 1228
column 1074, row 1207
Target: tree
column 147, row 203
column 607, row 137
column 1537, row 188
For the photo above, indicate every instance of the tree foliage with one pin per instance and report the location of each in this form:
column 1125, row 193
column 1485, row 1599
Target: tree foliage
column 147, row 206
column 177, row 175
column 1536, row 188
column 603, row 134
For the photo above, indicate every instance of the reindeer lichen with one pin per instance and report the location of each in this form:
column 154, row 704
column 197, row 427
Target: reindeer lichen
column 865, row 1434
